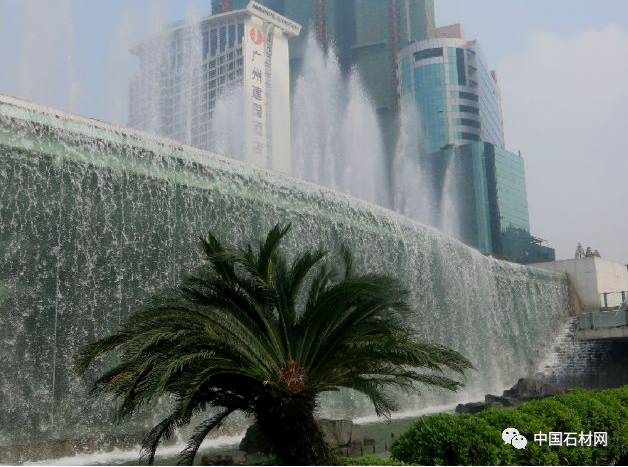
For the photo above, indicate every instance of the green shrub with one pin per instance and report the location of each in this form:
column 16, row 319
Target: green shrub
column 614, row 405
column 527, row 425
column 369, row 461
column 348, row 461
column 476, row 439
column 451, row 440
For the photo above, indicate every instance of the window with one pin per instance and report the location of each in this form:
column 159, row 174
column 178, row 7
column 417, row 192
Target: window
column 213, row 41
column 223, row 38
column 428, row 53
column 468, row 96
column 232, row 35
column 467, row 122
column 205, row 44
column 462, row 80
column 469, row 136
column 467, row 109
column 240, row 34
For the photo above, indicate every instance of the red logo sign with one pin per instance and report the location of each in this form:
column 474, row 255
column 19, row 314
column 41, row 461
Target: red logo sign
column 257, row 36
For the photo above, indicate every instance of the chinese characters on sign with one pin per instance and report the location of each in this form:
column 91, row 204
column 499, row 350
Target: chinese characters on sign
column 572, row 439
column 270, row 38
column 255, row 98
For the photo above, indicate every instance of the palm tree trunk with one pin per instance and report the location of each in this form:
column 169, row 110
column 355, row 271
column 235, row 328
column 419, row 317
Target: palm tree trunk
column 289, row 426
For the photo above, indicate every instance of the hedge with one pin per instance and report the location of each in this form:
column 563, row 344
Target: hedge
column 448, row 439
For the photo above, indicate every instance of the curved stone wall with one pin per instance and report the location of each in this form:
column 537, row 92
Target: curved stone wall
column 94, row 219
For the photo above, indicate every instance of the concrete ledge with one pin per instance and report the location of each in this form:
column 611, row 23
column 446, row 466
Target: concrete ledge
column 608, row 333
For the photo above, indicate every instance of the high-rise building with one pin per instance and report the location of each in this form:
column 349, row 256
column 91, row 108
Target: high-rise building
column 187, row 69
column 458, row 99
column 492, row 201
column 455, row 91
column 366, row 34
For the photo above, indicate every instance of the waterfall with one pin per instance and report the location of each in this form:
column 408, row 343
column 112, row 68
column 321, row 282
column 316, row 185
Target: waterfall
column 413, row 187
column 337, row 141
column 449, row 215
column 94, row 219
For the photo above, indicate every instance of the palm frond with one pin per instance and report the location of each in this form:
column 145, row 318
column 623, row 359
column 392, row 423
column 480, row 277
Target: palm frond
column 347, row 258
column 200, row 433
column 268, row 249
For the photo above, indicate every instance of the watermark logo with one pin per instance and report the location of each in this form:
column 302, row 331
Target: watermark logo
column 511, row 436
column 571, row 439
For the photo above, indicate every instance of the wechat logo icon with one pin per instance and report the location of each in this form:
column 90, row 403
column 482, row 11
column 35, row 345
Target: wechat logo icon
column 511, row 436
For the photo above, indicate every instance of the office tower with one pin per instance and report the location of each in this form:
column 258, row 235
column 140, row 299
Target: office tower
column 492, row 202
column 189, row 67
column 458, row 100
column 455, row 91
column 366, row 34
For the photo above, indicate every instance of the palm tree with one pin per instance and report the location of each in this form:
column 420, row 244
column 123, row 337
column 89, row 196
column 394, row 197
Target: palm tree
column 249, row 332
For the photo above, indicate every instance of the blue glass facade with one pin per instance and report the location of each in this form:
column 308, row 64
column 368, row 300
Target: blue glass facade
column 493, row 202
column 489, row 98
column 455, row 92
column 459, row 102
column 432, row 100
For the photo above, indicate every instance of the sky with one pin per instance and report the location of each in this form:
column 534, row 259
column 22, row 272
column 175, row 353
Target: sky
column 562, row 67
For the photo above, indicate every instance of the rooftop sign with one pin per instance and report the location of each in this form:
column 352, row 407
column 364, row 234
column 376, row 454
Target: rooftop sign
column 271, row 16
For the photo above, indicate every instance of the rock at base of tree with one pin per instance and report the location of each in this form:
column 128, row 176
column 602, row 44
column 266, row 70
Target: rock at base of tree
column 526, row 389
column 224, row 459
column 341, row 436
column 503, row 401
column 471, row 407
column 529, row 388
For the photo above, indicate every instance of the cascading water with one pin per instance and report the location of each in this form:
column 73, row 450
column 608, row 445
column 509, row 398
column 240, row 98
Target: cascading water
column 413, row 189
column 94, row 219
column 177, row 60
column 449, row 216
column 337, row 141
column 228, row 118
column 190, row 71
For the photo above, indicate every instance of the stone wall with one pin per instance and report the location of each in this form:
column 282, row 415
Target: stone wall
column 591, row 364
